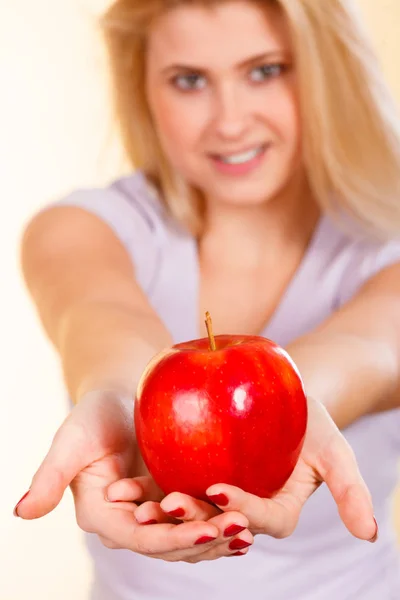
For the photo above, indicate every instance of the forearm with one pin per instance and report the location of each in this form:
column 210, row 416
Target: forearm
column 352, row 376
column 105, row 345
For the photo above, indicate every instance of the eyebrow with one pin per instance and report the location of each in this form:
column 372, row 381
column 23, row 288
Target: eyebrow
column 246, row 63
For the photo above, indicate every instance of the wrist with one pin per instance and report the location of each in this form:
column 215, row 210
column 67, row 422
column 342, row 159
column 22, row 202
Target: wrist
column 114, row 387
column 112, row 400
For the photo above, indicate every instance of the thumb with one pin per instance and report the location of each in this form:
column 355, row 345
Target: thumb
column 65, row 459
column 338, row 467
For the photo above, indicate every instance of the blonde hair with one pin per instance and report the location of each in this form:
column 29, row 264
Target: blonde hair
column 351, row 131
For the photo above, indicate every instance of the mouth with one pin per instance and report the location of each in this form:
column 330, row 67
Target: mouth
column 242, row 157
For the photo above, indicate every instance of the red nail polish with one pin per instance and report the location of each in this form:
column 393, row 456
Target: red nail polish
column 204, row 540
column 233, row 530
column 219, row 499
column 150, row 522
column 15, row 511
column 373, row 540
column 238, row 553
column 238, row 544
column 178, row 512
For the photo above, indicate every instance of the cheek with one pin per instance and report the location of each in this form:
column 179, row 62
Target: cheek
column 284, row 116
column 179, row 126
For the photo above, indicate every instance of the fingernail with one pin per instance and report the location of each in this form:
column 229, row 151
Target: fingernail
column 373, row 540
column 219, row 499
column 178, row 512
column 150, row 522
column 233, row 530
column 15, row 511
column 204, row 540
column 237, row 553
column 238, row 544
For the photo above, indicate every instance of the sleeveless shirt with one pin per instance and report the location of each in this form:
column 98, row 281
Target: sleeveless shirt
column 321, row 560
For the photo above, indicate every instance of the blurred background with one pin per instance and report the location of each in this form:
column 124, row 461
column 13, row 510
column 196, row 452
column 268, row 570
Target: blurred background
column 57, row 133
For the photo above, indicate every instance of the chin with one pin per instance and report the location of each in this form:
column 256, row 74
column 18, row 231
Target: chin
column 243, row 193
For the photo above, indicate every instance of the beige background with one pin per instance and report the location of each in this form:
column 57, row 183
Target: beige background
column 55, row 135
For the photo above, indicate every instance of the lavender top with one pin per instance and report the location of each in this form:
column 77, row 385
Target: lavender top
column 321, row 560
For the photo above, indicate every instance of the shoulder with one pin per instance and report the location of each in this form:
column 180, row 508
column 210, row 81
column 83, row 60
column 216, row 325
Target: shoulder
column 133, row 209
column 124, row 199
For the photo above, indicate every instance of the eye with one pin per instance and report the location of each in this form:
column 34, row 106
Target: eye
column 190, row 81
column 265, row 72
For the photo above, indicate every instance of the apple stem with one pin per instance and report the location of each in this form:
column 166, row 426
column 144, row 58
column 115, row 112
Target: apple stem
column 210, row 332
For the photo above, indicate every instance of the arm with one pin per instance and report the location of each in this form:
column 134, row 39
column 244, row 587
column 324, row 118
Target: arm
column 351, row 362
column 82, row 282
column 95, row 314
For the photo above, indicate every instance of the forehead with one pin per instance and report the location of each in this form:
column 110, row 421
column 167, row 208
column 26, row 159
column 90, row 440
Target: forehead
column 226, row 30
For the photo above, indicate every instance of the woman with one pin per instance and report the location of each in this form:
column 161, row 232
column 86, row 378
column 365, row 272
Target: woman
column 268, row 158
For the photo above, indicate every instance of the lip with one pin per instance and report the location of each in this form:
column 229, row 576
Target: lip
column 238, row 151
column 240, row 169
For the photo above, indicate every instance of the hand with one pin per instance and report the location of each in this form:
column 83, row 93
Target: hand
column 152, row 513
column 326, row 457
column 94, row 447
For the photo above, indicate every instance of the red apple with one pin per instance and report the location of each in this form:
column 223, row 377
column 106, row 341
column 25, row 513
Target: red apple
column 224, row 409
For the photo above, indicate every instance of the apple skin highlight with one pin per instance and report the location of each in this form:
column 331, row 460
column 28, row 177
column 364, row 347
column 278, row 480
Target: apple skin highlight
column 236, row 414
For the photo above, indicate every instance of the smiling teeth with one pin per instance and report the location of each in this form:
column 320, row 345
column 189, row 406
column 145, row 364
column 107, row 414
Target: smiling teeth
column 243, row 157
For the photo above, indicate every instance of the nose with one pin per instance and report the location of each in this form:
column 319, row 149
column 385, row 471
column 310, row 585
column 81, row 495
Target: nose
column 232, row 113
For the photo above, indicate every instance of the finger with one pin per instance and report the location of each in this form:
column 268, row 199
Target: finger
column 231, row 498
column 137, row 489
column 186, row 508
column 230, row 524
column 64, row 460
column 154, row 540
column 337, row 465
column 204, row 551
column 150, row 513
column 240, row 552
column 236, row 546
column 118, row 528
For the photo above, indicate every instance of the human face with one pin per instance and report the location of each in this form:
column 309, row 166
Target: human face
column 221, row 91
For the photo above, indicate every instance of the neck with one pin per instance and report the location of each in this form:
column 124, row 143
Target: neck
column 251, row 236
